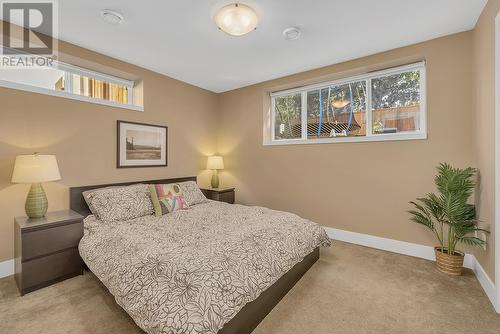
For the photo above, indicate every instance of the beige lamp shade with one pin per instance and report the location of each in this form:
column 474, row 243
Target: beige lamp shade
column 215, row 162
column 35, row 168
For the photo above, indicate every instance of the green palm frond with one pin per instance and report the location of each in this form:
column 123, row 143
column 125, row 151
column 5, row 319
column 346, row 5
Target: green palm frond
column 420, row 218
column 434, row 205
column 472, row 241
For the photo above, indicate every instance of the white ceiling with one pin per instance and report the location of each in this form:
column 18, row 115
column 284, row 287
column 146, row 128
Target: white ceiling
column 178, row 38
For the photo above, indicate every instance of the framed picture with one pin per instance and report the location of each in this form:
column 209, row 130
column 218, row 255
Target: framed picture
column 141, row 145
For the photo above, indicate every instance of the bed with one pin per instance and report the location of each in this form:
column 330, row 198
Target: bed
column 214, row 268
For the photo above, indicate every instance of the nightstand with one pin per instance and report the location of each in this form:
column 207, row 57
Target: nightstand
column 220, row 194
column 46, row 249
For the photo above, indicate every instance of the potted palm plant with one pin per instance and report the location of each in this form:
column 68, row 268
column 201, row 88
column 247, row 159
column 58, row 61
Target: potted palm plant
column 450, row 216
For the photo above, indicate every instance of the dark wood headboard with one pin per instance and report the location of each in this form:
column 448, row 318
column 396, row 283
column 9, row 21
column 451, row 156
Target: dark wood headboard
column 77, row 202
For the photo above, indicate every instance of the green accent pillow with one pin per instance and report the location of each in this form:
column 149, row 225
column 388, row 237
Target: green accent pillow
column 167, row 198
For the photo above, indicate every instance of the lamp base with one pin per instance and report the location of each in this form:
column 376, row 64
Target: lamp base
column 215, row 179
column 36, row 202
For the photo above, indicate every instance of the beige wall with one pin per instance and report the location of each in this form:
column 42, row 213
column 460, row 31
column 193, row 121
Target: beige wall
column 484, row 122
column 83, row 136
column 360, row 187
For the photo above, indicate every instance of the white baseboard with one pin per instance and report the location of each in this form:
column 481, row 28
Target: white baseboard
column 485, row 281
column 416, row 250
column 7, row 268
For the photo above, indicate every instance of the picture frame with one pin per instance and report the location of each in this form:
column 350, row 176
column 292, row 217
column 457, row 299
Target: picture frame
column 141, row 145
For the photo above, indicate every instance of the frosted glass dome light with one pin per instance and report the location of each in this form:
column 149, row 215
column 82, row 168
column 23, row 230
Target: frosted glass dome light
column 236, row 19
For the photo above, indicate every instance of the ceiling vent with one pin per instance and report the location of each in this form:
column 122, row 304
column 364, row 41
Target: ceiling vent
column 291, row 33
column 112, row 17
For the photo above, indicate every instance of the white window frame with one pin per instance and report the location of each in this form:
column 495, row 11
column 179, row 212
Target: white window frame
column 421, row 133
column 68, row 92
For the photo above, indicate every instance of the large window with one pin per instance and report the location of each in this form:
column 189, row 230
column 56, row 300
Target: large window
column 73, row 82
column 383, row 105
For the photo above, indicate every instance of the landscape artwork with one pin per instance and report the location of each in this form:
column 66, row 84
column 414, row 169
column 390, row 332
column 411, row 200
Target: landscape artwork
column 141, row 145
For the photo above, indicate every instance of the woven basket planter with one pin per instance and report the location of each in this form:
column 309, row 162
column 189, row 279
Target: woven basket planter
column 449, row 264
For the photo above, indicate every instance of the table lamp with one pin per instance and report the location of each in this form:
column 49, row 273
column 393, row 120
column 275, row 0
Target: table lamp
column 35, row 169
column 215, row 163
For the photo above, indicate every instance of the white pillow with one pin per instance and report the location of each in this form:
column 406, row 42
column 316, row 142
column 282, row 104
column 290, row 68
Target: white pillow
column 86, row 194
column 120, row 203
column 192, row 193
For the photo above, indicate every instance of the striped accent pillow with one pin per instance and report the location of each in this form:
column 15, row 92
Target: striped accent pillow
column 167, row 198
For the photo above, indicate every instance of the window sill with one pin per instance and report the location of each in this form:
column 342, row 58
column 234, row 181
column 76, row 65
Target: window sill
column 380, row 137
column 45, row 91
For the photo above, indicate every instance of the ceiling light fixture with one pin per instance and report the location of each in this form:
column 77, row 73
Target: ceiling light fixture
column 291, row 33
column 111, row 16
column 236, row 19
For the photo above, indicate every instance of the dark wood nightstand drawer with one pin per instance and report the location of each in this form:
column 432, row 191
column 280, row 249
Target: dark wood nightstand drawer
column 45, row 270
column 41, row 242
column 227, row 197
column 219, row 194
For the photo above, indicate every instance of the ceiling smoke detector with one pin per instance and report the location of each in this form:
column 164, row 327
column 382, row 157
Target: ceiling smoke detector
column 112, row 17
column 291, row 33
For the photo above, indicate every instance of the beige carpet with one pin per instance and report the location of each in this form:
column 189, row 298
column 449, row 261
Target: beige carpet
column 351, row 289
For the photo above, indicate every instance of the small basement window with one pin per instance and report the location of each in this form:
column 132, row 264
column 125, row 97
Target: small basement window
column 382, row 105
column 69, row 81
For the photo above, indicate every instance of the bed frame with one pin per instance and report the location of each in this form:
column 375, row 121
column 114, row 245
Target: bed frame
column 249, row 317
